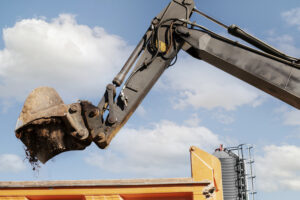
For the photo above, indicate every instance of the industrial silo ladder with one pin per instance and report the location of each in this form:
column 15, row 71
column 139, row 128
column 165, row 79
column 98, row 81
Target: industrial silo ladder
column 246, row 171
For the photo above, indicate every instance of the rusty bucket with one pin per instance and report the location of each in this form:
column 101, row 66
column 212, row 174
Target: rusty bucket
column 47, row 127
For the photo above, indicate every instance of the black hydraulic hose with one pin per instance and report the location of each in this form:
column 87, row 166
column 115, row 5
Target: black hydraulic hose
column 210, row 18
column 238, row 32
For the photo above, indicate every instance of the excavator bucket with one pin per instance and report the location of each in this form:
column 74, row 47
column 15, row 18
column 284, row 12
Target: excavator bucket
column 49, row 127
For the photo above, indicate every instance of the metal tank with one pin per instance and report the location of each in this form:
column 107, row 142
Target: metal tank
column 233, row 175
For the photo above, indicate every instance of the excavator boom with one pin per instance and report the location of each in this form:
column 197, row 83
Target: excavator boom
column 51, row 127
column 276, row 76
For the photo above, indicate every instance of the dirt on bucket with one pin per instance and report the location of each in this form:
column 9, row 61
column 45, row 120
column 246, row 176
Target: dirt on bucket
column 46, row 138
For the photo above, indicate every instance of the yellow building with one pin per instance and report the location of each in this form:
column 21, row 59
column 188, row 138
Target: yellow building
column 204, row 183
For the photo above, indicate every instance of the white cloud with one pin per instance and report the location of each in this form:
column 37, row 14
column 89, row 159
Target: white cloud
column 159, row 151
column 288, row 116
column 292, row 117
column 284, row 43
column 223, row 118
column 279, row 168
column 193, row 121
column 75, row 59
column 201, row 85
column 11, row 163
column 141, row 111
column 292, row 17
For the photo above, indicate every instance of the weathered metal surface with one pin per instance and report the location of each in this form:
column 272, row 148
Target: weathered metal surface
column 42, row 102
column 48, row 127
column 46, row 138
column 200, row 186
column 273, row 75
column 154, row 60
column 86, row 183
column 229, row 175
column 207, row 167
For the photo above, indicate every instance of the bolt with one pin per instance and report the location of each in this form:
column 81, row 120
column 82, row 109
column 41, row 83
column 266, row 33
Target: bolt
column 192, row 148
column 100, row 137
column 82, row 134
column 155, row 21
column 74, row 134
column 73, row 108
column 211, row 190
column 110, row 87
column 94, row 113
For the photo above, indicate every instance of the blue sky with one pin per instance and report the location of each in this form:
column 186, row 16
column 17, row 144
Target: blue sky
column 78, row 46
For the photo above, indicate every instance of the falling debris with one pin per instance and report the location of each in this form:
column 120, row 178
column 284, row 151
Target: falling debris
column 34, row 162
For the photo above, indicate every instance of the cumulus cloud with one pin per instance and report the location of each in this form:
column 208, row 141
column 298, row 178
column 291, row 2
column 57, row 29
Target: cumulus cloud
column 292, row 17
column 159, row 151
column 292, row 117
column 141, row 111
column 11, row 163
column 75, row 59
column 201, row 85
column 289, row 116
column 194, row 120
column 223, row 118
column 285, row 43
column 278, row 168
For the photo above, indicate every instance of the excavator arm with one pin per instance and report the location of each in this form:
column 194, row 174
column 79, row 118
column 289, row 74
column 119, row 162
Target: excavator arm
column 274, row 75
column 48, row 127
